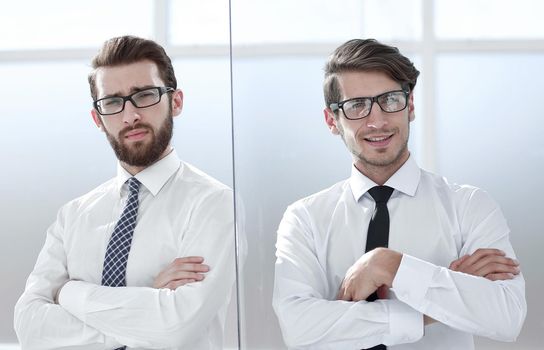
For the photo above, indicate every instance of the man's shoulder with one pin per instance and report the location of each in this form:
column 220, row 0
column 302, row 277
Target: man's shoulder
column 323, row 199
column 192, row 179
column 83, row 201
column 104, row 188
column 446, row 189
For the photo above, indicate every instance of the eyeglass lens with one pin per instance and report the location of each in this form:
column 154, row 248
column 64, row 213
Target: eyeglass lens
column 389, row 102
column 140, row 99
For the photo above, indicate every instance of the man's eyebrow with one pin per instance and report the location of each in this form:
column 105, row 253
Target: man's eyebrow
column 132, row 90
column 140, row 88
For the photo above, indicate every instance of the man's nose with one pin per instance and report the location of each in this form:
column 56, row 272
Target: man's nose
column 131, row 114
column 377, row 118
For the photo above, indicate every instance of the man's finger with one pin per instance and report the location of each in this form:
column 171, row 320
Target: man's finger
column 480, row 257
column 456, row 263
column 492, row 268
column 188, row 260
column 479, row 254
column 180, row 275
column 493, row 263
column 499, row 276
column 190, row 267
column 340, row 291
column 383, row 292
column 173, row 285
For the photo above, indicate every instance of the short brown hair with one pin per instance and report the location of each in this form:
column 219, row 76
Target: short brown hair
column 366, row 55
column 130, row 49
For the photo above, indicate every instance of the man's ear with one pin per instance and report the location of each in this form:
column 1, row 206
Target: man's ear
column 96, row 119
column 330, row 120
column 177, row 102
column 411, row 108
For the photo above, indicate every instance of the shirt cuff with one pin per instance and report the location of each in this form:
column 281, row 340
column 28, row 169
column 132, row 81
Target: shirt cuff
column 405, row 324
column 72, row 298
column 412, row 280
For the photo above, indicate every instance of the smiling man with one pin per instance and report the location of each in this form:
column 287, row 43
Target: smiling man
column 395, row 256
column 145, row 260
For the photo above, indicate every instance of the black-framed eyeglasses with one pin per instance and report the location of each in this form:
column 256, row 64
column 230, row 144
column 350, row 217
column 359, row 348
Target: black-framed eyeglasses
column 140, row 99
column 360, row 107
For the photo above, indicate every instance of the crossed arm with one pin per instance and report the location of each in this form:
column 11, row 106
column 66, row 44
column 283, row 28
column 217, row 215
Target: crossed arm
column 376, row 270
column 482, row 293
column 184, row 297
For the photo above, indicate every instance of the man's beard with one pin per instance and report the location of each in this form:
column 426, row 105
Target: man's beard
column 143, row 154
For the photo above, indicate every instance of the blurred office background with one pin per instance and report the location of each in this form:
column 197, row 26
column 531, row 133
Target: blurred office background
column 253, row 117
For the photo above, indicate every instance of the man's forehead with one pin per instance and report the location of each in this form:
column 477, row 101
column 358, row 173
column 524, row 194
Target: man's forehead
column 366, row 83
column 126, row 78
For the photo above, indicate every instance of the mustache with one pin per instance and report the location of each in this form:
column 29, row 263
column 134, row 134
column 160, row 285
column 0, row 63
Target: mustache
column 378, row 132
column 124, row 131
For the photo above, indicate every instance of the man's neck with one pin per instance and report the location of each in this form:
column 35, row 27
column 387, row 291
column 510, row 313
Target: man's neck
column 134, row 169
column 379, row 173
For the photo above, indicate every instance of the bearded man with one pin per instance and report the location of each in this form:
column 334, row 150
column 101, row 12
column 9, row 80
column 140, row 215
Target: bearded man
column 145, row 260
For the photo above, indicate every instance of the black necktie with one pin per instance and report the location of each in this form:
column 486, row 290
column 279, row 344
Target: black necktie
column 378, row 229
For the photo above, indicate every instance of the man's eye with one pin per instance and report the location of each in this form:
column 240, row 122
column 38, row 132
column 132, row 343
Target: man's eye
column 391, row 98
column 145, row 94
column 356, row 105
column 111, row 102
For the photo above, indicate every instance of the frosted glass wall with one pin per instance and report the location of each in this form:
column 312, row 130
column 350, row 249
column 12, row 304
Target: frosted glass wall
column 283, row 150
column 486, row 129
column 51, row 151
column 489, row 134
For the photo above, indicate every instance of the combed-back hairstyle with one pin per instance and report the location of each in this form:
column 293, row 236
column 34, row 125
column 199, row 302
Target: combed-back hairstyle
column 130, row 49
column 366, row 55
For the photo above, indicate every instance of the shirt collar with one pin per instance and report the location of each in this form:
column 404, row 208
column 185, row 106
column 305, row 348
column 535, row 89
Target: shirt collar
column 405, row 180
column 153, row 177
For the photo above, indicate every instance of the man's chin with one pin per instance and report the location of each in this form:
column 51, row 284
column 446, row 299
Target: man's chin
column 141, row 156
column 138, row 161
column 135, row 145
column 383, row 159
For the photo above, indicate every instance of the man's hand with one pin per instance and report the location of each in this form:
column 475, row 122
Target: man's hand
column 180, row 272
column 489, row 263
column 373, row 270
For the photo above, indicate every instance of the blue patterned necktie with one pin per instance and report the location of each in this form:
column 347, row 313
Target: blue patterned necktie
column 115, row 262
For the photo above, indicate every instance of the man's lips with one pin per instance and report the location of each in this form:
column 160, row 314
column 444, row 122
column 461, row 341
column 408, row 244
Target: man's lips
column 136, row 134
column 379, row 140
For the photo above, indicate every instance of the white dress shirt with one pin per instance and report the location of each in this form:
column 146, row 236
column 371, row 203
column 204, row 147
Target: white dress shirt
column 182, row 212
column 432, row 222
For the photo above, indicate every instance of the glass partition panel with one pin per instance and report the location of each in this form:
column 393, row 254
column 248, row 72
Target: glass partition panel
column 392, row 19
column 210, row 27
column 282, row 146
column 322, row 21
column 286, row 22
column 283, row 152
column 53, row 152
column 51, row 155
column 56, row 24
column 489, row 19
column 489, row 132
